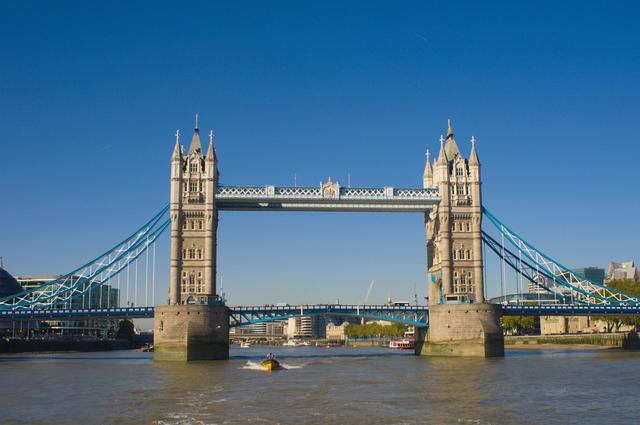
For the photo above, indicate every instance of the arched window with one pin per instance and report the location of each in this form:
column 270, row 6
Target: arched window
column 199, row 224
column 468, row 227
column 199, row 254
column 193, row 225
column 184, row 254
column 193, row 167
column 468, row 254
column 455, row 254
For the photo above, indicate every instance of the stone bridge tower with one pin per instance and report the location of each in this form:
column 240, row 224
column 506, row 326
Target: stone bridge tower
column 194, row 223
column 460, row 323
column 195, row 323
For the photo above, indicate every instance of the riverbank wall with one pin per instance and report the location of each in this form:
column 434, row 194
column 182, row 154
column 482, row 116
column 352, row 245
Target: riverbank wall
column 628, row 340
column 12, row 346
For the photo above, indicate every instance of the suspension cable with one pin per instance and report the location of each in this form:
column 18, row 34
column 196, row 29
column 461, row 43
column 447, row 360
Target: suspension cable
column 153, row 277
column 146, row 279
column 502, row 273
column 519, row 276
column 135, row 285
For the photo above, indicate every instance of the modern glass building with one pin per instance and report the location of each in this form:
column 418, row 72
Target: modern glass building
column 104, row 296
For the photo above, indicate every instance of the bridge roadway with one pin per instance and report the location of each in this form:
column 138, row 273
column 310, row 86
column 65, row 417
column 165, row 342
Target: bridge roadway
column 244, row 315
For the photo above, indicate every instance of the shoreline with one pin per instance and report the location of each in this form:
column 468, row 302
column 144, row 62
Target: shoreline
column 550, row 346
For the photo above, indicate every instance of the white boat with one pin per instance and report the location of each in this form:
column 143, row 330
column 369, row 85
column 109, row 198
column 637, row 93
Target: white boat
column 402, row 344
column 245, row 344
column 294, row 343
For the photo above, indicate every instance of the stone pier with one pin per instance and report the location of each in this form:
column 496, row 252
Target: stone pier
column 191, row 332
column 472, row 330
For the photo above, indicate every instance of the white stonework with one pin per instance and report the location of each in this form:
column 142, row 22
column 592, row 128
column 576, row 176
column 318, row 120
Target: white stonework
column 454, row 238
column 194, row 223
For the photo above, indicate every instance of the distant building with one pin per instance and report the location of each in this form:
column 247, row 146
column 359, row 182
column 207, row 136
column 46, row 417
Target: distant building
column 104, row 296
column 594, row 274
column 535, row 287
column 306, row 327
column 530, row 298
column 560, row 325
column 275, row 328
column 8, row 284
column 622, row 271
column 252, row 329
column 335, row 332
column 542, row 282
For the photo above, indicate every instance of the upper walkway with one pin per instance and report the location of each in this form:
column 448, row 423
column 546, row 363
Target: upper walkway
column 327, row 197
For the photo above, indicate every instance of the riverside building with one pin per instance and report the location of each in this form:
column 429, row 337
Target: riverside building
column 104, row 296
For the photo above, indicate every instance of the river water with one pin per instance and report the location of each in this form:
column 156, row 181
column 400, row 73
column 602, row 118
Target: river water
column 323, row 386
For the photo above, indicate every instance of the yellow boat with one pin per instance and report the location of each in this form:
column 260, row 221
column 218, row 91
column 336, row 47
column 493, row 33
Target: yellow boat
column 270, row 364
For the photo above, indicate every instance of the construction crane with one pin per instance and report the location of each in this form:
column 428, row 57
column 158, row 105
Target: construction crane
column 366, row 297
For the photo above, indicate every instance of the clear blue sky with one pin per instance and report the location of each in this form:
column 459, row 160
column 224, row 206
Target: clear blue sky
column 92, row 93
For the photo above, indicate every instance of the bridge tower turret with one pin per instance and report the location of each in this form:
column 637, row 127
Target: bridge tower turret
column 195, row 323
column 194, row 223
column 455, row 266
column 175, row 208
column 211, row 219
column 460, row 323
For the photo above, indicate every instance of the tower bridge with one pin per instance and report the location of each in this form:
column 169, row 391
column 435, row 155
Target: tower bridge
column 195, row 323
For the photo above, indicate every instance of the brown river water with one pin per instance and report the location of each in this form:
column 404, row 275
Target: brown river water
column 323, row 386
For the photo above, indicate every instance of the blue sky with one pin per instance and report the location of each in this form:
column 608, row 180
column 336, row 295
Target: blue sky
column 91, row 95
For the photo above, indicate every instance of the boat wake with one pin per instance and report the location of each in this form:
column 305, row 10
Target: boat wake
column 258, row 366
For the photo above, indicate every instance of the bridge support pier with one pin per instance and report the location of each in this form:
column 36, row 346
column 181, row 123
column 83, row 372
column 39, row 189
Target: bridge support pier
column 191, row 332
column 471, row 330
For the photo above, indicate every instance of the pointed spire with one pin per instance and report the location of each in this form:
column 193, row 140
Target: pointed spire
column 211, row 150
column 177, row 151
column 428, row 171
column 442, row 156
column 473, row 156
column 427, row 177
column 195, row 140
column 450, row 146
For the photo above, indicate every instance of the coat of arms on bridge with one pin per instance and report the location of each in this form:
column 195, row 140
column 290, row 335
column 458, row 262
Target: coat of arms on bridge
column 330, row 189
